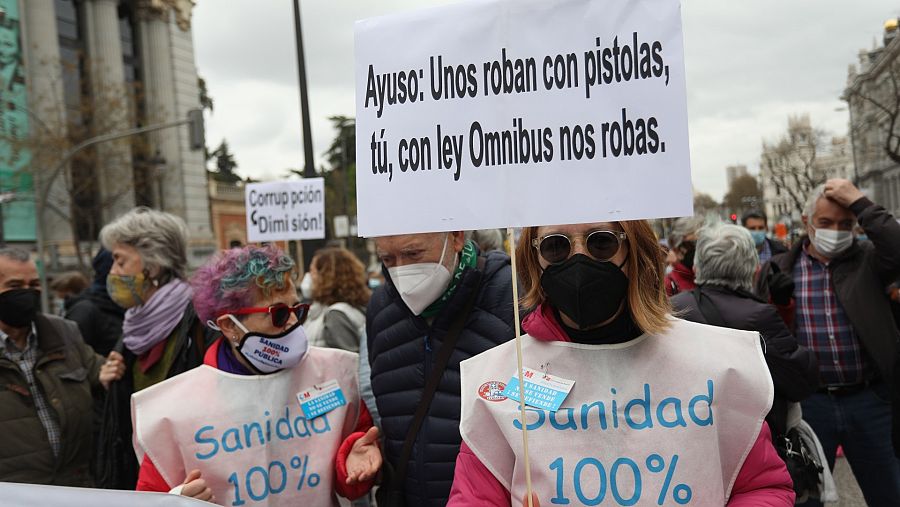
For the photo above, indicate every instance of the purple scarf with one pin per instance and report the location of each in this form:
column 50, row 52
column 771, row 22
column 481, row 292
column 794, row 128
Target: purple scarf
column 227, row 362
column 153, row 321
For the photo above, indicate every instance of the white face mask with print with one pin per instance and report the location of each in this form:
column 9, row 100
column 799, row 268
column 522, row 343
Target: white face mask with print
column 831, row 243
column 270, row 353
column 421, row 284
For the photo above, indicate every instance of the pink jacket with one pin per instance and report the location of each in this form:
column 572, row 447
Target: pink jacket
column 762, row 482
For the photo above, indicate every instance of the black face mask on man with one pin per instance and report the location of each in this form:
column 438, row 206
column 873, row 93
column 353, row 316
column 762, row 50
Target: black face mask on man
column 585, row 290
column 19, row 306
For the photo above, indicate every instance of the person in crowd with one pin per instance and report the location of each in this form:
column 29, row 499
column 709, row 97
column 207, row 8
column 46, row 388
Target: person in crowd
column 725, row 263
column 756, row 222
column 375, row 276
column 47, row 374
column 839, row 310
column 439, row 290
column 98, row 317
column 601, row 319
column 682, row 243
column 161, row 335
column 488, row 240
column 251, row 379
column 337, row 285
column 65, row 287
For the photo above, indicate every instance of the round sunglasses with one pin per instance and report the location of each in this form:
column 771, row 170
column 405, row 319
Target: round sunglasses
column 600, row 245
column 279, row 312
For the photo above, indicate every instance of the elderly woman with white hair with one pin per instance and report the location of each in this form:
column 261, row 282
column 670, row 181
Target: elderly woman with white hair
column 162, row 335
column 725, row 263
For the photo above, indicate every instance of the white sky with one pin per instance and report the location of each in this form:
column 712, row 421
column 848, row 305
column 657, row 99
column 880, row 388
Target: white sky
column 749, row 66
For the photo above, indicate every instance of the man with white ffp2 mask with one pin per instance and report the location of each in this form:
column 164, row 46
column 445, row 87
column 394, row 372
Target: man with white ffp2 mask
column 839, row 310
column 432, row 282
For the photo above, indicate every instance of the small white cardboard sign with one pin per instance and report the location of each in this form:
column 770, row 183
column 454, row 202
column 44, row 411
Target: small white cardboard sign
column 285, row 210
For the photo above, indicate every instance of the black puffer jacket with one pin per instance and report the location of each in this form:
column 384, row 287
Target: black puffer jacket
column 402, row 349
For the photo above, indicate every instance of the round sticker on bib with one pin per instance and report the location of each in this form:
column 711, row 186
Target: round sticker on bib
column 492, row 391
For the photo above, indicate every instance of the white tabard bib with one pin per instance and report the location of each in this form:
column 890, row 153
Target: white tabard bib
column 660, row 420
column 246, row 433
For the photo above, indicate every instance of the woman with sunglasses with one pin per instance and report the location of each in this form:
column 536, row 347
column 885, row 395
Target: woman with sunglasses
column 662, row 411
column 264, row 408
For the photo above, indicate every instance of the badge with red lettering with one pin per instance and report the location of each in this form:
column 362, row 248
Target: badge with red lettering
column 492, row 391
column 321, row 399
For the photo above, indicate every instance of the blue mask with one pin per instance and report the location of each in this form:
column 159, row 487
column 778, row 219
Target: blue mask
column 759, row 237
column 374, row 283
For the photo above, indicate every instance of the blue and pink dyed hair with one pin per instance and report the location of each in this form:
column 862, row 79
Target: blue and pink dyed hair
column 237, row 278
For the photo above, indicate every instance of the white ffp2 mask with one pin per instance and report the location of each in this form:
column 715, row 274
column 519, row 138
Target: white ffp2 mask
column 831, row 243
column 421, row 284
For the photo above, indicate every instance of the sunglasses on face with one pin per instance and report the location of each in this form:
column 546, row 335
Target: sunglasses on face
column 279, row 312
column 600, row 245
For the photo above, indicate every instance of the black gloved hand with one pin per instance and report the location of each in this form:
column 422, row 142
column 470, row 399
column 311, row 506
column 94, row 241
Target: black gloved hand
column 781, row 288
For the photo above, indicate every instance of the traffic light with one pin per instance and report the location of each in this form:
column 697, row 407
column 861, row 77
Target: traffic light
column 734, row 218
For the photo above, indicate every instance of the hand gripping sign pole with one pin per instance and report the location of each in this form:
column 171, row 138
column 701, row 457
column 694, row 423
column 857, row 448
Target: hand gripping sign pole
column 515, row 293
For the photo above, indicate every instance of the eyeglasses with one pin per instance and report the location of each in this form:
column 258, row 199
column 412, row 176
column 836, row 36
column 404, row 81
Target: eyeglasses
column 601, row 245
column 279, row 312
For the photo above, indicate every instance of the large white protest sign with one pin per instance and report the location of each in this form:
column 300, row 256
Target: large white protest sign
column 35, row 495
column 285, row 210
column 496, row 113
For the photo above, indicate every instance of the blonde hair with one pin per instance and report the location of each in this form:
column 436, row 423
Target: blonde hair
column 645, row 268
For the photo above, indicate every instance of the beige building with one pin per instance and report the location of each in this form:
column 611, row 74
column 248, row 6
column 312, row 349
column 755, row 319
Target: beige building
column 874, row 106
column 96, row 67
column 791, row 167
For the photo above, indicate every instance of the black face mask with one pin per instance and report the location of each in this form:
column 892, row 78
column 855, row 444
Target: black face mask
column 19, row 306
column 689, row 248
column 587, row 291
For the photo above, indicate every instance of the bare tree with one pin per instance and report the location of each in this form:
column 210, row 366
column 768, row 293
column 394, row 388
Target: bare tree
column 792, row 163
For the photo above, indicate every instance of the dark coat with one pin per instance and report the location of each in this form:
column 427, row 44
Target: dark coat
column 776, row 247
column 859, row 277
column 402, row 348
column 98, row 318
column 793, row 367
column 116, row 464
column 67, row 371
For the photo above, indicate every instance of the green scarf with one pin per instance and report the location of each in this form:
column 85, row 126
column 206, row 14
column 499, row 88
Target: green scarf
column 467, row 259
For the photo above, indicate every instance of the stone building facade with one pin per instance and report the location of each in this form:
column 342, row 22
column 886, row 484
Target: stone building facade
column 95, row 67
column 874, row 104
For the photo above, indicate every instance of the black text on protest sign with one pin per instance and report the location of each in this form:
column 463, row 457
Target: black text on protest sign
column 614, row 61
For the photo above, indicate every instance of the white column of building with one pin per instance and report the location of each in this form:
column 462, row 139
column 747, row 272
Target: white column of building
column 111, row 107
column 159, row 83
column 171, row 77
column 47, row 112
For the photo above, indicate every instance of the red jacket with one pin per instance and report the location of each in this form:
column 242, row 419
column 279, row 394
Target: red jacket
column 149, row 478
column 679, row 280
column 763, row 480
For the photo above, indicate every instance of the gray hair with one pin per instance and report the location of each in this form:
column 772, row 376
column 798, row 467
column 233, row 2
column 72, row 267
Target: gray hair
column 726, row 256
column 683, row 227
column 810, row 209
column 488, row 239
column 160, row 238
column 15, row 254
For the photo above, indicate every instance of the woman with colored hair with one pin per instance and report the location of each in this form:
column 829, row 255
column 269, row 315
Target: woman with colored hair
column 625, row 403
column 338, row 287
column 161, row 334
column 265, row 409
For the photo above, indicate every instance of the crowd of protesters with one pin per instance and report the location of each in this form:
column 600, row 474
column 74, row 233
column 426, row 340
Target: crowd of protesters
column 108, row 392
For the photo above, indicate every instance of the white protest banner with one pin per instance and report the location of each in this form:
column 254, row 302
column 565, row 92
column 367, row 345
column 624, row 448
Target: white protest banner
column 497, row 113
column 285, row 210
column 36, row 495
